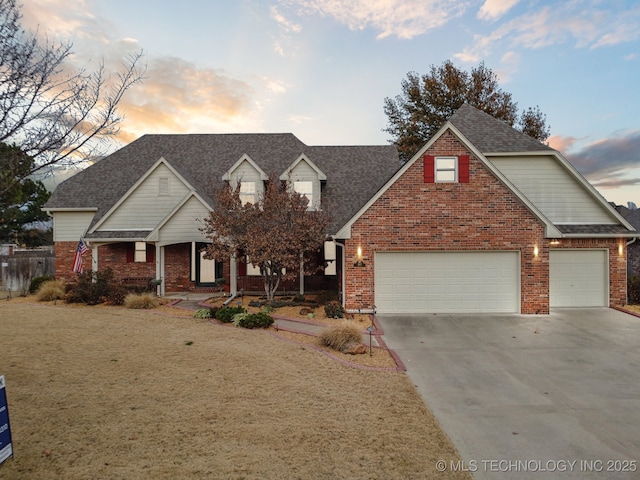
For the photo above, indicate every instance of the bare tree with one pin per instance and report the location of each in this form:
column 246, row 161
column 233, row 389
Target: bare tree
column 274, row 232
column 53, row 112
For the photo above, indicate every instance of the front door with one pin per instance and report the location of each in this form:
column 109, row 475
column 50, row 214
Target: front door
column 207, row 271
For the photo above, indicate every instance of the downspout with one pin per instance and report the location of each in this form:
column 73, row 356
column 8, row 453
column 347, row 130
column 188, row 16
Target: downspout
column 341, row 293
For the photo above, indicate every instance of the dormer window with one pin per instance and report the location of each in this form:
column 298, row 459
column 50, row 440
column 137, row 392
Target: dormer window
column 247, row 192
column 305, row 178
column 304, row 188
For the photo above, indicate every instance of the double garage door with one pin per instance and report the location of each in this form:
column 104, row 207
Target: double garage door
column 483, row 282
column 436, row 282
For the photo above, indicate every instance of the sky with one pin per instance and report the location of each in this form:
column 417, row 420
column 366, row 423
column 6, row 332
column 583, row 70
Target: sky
column 321, row 69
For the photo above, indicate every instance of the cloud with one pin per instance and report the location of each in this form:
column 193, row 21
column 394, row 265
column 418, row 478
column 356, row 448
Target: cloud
column 608, row 162
column 401, row 18
column 493, row 9
column 176, row 96
column 590, row 24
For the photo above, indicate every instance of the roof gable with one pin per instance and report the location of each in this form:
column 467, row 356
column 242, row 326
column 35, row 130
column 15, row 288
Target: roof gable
column 160, row 165
column 303, row 158
column 244, row 158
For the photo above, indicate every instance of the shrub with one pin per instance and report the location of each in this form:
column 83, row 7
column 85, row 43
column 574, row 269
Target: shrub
column 50, row 290
column 325, row 296
column 253, row 320
column 117, row 295
column 334, row 309
column 633, row 290
column 341, row 335
column 225, row 314
column 144, row 300
column 90, row 287
column 203, row 313
column 34, row 286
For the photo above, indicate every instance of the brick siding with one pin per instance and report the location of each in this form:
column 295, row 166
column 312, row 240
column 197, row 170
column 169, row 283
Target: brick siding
column 480, row 215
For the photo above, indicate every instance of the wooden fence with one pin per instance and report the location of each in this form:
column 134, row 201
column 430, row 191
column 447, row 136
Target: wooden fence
column 23, row 266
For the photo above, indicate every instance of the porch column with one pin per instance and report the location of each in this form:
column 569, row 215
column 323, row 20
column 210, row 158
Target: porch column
column 233, row 273
column 160, row 269
column 94, row 257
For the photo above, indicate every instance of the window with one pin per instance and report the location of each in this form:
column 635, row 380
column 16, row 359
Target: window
column 446, row 169
column 140, row 254
column 163, row 186
column 304, row 188
column 247, row 192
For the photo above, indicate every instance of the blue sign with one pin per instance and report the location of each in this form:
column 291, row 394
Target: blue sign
column 6, row 450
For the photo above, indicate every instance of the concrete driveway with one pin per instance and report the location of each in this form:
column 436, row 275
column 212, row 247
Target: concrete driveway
column 525, row 396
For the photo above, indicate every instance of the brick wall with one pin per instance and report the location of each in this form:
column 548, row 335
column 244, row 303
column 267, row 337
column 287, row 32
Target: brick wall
column 65, row 253
column 480, row 215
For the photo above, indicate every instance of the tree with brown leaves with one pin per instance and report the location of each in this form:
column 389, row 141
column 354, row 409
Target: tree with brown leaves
column 274, row 233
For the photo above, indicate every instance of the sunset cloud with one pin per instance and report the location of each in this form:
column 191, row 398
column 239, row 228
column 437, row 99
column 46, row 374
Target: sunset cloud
column 608, row 162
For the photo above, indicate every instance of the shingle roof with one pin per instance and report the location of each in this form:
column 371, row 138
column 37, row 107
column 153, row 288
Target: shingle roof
column 605, row 229
column 489, row 134
column 354, row 173
column 633, row 217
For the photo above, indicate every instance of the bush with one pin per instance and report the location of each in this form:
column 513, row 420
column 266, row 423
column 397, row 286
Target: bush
column 325, row 296
column 633, row 290
column 50, row 290
column 117, row 295
column 203, row 313
column 34, row 286
column 341, row 335
column 225, row 314
column 144, row 300
column 252, row 320
column 91, row 287
column 334, row 309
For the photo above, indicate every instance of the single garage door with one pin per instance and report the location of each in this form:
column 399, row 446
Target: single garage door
column 438, row 282
column 578, row 278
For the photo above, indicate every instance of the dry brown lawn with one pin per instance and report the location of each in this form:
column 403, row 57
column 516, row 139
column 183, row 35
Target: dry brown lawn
column 109, row 393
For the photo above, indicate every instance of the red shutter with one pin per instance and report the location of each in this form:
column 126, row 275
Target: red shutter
column 130, row 252
column 429, row 175
column 242, row 266
column 151, row 253
column 463, row 169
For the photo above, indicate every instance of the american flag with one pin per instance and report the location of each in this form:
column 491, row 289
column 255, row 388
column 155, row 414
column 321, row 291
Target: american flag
column 78, row 265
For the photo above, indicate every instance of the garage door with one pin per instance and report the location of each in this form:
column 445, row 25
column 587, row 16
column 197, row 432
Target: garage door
column 437, row 282
column 578, row 278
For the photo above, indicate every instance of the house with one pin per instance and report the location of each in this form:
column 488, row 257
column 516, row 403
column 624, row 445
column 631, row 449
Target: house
column 481, row 219
column 140, row 209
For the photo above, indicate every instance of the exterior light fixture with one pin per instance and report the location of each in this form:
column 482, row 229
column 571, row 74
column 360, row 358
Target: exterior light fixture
column 555, row 241
column 620, row 249
column 535, row 250
column 359, row 262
